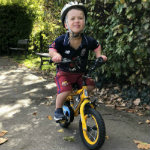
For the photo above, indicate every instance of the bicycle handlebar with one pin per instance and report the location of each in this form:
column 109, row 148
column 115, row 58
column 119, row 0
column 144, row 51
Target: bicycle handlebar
column 64, row 61
column 97, row 62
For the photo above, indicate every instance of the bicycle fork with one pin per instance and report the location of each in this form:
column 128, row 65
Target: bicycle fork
column 82, row 109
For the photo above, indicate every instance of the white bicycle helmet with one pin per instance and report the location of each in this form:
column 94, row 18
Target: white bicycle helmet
column 70, row 6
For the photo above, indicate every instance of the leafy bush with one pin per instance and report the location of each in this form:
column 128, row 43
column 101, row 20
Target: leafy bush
column 122, row 27
column 15, row 23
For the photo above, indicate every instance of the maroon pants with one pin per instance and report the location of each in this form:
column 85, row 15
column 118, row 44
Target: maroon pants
column 65, row 80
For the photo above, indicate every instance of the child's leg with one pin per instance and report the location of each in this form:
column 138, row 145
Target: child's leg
column 90, row 88
column 61, row 98
column 64, row 83
column 89, row 82
column 59, row 115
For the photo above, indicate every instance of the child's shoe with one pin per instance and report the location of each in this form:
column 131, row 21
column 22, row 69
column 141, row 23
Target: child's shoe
column 59, row 115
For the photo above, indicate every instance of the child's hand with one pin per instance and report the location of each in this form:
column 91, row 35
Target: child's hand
column 57, row 58
column 104, row 57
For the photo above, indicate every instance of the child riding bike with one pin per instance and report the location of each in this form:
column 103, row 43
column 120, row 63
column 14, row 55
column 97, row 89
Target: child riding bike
column 71, row 45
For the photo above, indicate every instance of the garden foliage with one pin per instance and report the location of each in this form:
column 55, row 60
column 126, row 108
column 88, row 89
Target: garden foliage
column 16, row 22
column 121, row 26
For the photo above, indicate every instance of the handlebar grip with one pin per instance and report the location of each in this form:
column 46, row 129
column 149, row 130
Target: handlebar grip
column 50, row 61
column 64, row 60
column 99, row 60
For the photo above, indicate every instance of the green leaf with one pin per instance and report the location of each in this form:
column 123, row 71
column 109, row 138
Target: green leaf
column 119, row 31
column 129, row 16
column 69, row 138
column 130, row 38
column 139, row 6
column 125, row 29
column 146, row 26
column 131, row 64
column 115, row 33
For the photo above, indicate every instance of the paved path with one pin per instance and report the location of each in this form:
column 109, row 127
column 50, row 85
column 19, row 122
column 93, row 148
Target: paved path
column 26, row 101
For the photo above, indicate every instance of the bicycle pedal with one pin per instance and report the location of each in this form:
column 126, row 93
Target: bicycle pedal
column 61, row 121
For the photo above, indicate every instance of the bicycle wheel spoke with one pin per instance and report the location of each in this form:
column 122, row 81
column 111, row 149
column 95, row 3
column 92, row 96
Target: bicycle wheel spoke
column 94, row 127
column 92, row 137
column 91, row 128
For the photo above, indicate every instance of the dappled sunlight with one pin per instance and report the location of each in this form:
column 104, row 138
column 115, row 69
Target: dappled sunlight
column 11, row 76
column 14, row 142
column 4, row 92
column 31, row 91
column 2, row 77
column 50, row 86
column 1, row 125
column 8, row 111
column 20, row 127
column 30, row 78
column 26, row 83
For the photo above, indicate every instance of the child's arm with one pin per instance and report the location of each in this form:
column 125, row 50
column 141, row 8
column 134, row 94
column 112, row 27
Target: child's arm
column 98, row 53
column 56, row 57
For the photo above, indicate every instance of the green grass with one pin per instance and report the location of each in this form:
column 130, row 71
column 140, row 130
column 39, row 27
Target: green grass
column 33, row 62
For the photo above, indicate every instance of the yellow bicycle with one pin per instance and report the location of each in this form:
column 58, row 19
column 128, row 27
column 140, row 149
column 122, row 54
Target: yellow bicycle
column 91, row 124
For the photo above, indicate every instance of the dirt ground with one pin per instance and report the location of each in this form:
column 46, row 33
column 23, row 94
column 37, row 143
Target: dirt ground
column 27, row 103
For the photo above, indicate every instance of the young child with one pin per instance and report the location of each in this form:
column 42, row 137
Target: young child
column 71, row 45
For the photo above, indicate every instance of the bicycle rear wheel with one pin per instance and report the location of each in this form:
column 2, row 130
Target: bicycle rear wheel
column 94, row 137
column 69, row 115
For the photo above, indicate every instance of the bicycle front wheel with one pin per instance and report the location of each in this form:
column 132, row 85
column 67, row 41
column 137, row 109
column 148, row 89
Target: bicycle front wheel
column 94, row 137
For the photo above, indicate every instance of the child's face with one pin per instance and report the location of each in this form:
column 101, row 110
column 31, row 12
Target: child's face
column 76, row 20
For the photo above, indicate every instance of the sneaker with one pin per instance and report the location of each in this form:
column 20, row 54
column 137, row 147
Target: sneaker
column 59, row 115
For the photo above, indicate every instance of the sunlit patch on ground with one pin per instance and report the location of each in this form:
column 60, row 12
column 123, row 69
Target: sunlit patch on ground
column 8, row 111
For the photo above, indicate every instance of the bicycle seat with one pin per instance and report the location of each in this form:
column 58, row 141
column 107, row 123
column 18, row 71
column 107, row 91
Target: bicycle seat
column 75, row 86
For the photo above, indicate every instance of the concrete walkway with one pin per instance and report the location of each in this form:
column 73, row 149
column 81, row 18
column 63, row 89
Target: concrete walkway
column 26, row 101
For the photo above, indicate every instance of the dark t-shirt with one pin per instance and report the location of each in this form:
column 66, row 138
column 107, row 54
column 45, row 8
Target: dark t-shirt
column 62, row 45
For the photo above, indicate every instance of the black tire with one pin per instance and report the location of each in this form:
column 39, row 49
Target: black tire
column 66, row 123
column 98, row 126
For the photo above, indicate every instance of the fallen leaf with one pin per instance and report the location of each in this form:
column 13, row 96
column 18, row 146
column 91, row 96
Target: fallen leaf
column 2, row 133
column 147, row 107
column 35, row 113
column 140, row 122
column 119, row 99
column 50, row 117
column 140, row 114
column 60, row 131
column 121, row 108
column 109, row 105
column 107, row 137
column 137, row 101
column 100, row 101
column 136, row 141
column 130, row 110
column 123, row 105
column 75, row 132
column 3, row 140
column 147, row 121
column 49, row 97
column 49, row 103
column 69, row 138
column 141, row 145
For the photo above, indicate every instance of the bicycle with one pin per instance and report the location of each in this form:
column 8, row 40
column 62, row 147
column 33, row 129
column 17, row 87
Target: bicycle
column 91, row 124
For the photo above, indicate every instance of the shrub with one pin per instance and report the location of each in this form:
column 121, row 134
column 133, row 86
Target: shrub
column 15, row 23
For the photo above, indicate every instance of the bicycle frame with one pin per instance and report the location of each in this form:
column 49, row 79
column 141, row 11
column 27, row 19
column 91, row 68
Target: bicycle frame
column 84, row 99
column 91, row 121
